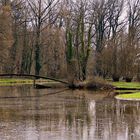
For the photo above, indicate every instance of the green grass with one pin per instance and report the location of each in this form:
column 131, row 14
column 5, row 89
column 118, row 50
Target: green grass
column 133, row 95
column 13, row 81
column 8, row 81
column 129, row 96
column 127, row 85
column 126, row 91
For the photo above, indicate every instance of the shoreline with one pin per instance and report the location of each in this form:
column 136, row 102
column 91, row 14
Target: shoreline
column 127, row 99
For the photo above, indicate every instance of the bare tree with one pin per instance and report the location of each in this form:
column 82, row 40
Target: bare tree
column 100, row 14
column 79, row 23
column 6, row 38
column 41, row 17
column 133, row 37
column 115, row 8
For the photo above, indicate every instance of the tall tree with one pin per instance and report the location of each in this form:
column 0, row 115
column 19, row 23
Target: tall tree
column 133, row 36
column 41, row 17
column 6, row 38
column 115, row 8
column 100, row 23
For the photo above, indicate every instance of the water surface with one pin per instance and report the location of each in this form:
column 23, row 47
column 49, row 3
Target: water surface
column 31, row 114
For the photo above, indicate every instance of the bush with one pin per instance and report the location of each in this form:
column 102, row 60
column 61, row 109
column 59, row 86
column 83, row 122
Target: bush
column 128, row 79
column 116, row 78
column 98, row 83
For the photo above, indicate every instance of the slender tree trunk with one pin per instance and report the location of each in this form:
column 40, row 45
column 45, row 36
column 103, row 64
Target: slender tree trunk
column 77, row 52
column 37, row 58
column 37, row 48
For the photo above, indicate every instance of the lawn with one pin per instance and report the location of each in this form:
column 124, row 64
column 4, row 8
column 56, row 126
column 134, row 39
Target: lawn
column 129, row 96
column 12, row 81
column 127, row 93
column 126, row 85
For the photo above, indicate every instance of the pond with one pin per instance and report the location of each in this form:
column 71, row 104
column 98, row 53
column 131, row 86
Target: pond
column 30, row 114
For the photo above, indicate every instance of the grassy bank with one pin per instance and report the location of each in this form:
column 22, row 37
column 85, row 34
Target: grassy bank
column 126, row 85
column 126, row 91
column 130, row 90
column 133, row 96
column 11, row 81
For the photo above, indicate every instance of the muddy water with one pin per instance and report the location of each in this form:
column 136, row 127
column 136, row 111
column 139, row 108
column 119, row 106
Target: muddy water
column 30, row 114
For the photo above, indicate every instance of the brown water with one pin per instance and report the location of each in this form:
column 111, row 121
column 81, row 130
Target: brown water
column 30, row 114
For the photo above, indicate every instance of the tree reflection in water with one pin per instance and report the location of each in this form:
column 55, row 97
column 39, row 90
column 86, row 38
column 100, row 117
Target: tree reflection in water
column 68, row 115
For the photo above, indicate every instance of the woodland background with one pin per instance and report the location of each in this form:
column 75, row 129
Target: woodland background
column 75, row 38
